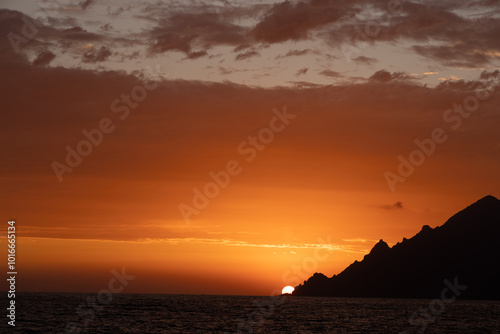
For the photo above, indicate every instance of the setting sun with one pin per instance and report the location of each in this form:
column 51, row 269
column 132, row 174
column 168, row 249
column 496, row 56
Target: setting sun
column 287, row 289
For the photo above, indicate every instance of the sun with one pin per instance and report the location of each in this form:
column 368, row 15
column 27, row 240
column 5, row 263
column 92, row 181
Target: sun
column 287, row 290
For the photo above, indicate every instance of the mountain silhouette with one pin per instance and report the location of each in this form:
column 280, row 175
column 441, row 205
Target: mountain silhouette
column 465, row 251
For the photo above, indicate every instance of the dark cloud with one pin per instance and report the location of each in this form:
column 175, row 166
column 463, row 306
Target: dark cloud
column 421, row 22
column 93, row 56
column 113, row 11
column 462, row 42
column 485, row 75
column 44, row 58
column 86, row 4
column 196, row 55
column 246, row 55
column 79, row 34
column 295, row 53
column 169, row 41
column 107, row 27
column 293, row 21
column 440, row 31
column 331, row 74
column 450, row 38
column 485, row 3
column 133, row 55
column 459, row 55
column 364, row 60
column 61, row 21
column 11, row 24
column 302, row 71
column 53, row 40
column 242, row 47
column 181, row 30
column 395, row 206
column 304, row 84
column 225, row 71
column 383, row 76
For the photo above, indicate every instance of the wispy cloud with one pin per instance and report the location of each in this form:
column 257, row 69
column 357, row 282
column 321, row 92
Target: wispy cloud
column 396, row 206
column 359, row 240
column 224, row 242
column 240, row 243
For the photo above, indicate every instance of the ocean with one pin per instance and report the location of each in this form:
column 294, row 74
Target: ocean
column 140, row 313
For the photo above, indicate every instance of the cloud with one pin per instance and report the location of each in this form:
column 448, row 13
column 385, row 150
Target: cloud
column 365, row 60
column 395, row 206
column 242, row 47
column 182, row 30
column 226, row 71
column 296, row 53
column 383, row 76
column 44, row 58
column 455, row 37
column 241, row 243
column 304, row 84
column 78, row 34
column 293, row 21
column 441, row 32
column 246, row 55
column 86, row 4
column 450, row 38
column 61, row 21
column 302, row 71
column 196, row 55
column 331, row 74
column 210, row 241
column 485, row 3
column 456, row 56
column 75, row 41
column 360, row 240
column 93, row 56
column 485, row 75
column 451, row 77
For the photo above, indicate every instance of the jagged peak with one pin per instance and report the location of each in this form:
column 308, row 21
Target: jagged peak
column 426, row 228
column 487, row 204
column 381, row 246
column 486, row 201
column 489, row 198
column 319, row 275
column 381, row 243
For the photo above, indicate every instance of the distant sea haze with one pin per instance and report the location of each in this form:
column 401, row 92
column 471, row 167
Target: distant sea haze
column 139, row 313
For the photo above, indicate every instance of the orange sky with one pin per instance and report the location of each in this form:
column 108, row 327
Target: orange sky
column 313, row 198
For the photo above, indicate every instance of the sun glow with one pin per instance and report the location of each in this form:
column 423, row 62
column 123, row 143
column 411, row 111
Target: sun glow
column 287, row 289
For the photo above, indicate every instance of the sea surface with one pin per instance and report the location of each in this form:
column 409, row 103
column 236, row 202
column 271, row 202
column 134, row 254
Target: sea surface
column 137, row 313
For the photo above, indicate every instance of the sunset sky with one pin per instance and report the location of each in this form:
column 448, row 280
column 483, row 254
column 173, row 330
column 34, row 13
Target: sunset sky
column 311, row 129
